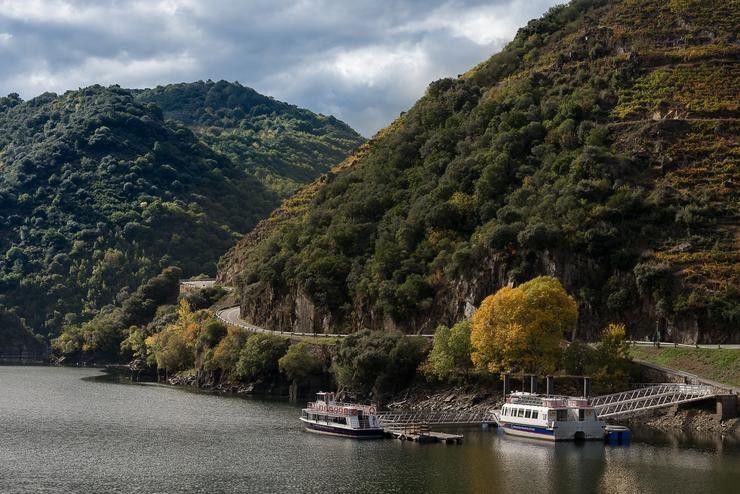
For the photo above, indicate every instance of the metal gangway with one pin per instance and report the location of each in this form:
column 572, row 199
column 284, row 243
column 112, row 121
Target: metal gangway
column 650, row 397
column 395, row 419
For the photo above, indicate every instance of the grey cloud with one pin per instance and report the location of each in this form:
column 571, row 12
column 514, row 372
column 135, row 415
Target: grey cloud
column 363, row 61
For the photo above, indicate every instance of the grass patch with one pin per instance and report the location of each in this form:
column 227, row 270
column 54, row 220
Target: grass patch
column 721, row 365
column 316, row 340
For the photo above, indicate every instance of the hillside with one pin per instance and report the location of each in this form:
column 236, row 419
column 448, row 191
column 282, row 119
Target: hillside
column 598, row 147
column 99, row 192
column 282, row 145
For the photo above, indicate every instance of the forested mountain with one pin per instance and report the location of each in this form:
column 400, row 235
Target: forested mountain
column 282, row 145
column 99, row 192
column 599, row 147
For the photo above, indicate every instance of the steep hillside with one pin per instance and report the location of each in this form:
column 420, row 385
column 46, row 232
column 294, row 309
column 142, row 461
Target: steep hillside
column 99, row 192
column 282, row 145
column 600, row 147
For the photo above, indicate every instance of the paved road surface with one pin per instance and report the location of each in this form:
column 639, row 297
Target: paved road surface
column 231, row 316
column 670, row 344
column 198, row 284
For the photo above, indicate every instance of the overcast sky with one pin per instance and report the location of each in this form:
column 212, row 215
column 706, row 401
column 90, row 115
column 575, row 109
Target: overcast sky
column 363, row 61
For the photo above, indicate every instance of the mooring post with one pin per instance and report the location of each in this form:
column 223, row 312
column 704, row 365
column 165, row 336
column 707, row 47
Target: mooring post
column 586, row 387
column 727, row 406
column 507, row 383
column 550, row 385
column 532, row 383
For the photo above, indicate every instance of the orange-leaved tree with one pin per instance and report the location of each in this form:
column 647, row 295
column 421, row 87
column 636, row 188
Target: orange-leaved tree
column 521, row 328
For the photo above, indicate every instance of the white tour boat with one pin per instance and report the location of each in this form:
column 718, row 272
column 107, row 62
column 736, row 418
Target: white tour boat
column 327, row 416
column 555, row 418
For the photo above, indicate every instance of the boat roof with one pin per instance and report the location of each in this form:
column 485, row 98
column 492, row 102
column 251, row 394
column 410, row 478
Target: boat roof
column 547, row 401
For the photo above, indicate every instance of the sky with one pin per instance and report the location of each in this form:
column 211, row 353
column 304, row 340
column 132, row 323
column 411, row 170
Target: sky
column 363, row 61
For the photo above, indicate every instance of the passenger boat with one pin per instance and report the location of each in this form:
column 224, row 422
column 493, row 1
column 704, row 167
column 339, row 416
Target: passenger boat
column 327, row 416
column 554, row 418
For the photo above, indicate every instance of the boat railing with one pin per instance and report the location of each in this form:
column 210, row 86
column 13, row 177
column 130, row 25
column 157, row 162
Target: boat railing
column 340, row 407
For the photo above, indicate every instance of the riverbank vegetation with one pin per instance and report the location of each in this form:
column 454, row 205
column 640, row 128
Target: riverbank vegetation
column 137, row 315
column 199, row 349
column 717, row 364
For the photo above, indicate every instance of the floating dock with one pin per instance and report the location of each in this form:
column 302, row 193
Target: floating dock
column 421, row 433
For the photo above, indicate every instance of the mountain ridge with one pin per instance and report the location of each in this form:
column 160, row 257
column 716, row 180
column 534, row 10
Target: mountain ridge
column 596, row 147
column 99, row 192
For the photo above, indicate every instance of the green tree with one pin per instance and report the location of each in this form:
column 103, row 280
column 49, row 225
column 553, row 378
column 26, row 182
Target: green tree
column 258, row 358
column 301, row 362
column 226, row 353
column 612, row 360
column 450, row 355
column 377, row 362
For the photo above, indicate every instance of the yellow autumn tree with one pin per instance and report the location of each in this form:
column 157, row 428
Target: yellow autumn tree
column 173, row 347
column 521, row 328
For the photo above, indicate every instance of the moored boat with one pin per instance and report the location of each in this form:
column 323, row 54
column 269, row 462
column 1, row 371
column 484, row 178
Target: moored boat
column 554, row 418
column 327, row 416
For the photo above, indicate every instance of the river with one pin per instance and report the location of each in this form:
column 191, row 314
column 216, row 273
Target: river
column 64, row 430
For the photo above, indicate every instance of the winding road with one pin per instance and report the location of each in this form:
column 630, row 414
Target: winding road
column 231, row 315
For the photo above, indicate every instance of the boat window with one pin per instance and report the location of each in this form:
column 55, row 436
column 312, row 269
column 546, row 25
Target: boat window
column 520, row 413
column 527, row 414
column 581, row 414
column 543, row 415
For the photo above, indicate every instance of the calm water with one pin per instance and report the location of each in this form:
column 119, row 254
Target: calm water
column 62, row 433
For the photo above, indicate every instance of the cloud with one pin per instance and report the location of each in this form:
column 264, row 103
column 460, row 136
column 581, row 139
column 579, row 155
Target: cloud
column 363, row 61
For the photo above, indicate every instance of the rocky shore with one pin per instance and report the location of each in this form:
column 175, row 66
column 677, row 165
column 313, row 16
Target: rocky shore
column 459, row 398
column 231, row 387
column 686, row 420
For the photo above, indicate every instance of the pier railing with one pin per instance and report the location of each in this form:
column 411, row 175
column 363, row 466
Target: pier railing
column 405, row 418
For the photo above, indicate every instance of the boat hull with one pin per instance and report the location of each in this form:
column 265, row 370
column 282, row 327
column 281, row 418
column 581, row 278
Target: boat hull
column 564, row 434
column 343, row 432
column 528, row 431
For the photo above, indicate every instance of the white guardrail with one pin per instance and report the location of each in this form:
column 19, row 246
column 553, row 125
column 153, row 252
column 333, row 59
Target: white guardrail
column 227, row 316
column 669, row 344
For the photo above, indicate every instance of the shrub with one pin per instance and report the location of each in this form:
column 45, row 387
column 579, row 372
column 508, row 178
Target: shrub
column 377, row 362
column 301, row 361
column 258, row 358
column 450, row 355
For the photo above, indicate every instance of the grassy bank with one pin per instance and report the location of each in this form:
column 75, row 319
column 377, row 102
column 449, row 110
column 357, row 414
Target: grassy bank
column 721, row 365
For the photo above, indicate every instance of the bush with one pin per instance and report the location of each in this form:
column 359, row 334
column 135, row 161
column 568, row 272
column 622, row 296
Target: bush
column 301, row 361
column 612, row 362
column 578, row 358
column 225, row 355
column 258, row 358
column 450, row 355
column 377, row 362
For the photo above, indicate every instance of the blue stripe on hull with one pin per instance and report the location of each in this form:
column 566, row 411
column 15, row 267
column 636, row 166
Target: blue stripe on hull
column 339, row 431
column 529, row 430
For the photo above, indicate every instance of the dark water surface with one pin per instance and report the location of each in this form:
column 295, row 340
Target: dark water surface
column 62, row 433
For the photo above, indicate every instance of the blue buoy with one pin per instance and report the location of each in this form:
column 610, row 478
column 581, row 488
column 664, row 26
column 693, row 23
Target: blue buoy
column 618, row 435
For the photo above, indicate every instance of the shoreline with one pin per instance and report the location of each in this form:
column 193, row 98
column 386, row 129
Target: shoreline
column 685, row 419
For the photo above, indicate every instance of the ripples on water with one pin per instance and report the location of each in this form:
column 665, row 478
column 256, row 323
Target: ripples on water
column 62, row 433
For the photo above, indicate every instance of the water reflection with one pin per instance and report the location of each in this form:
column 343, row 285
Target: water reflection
column 62, row 434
